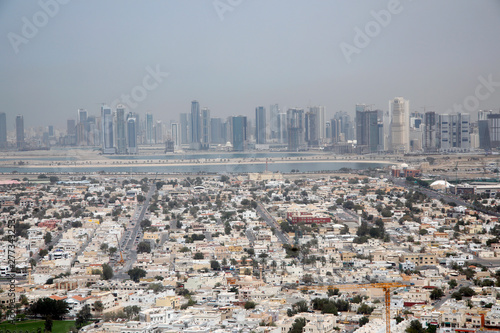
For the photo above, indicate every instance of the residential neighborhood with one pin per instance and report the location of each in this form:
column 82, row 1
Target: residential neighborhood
column 266, row 252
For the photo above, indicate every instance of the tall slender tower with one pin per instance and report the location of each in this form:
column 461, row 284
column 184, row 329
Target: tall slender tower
column 150, row 136
column 121, row 141
column 274, row 110
column 295, row 129
column 260, row 125
column 400, row 125
column 108, row 146
column 132, row 135
column 205, row 128
column 20, row 132
column 3, row 130
column 239, row 133
column 320, row 122
column 195, row 128
column 176, row 138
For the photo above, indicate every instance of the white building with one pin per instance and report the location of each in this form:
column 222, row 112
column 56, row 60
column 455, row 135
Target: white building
column 400, row 125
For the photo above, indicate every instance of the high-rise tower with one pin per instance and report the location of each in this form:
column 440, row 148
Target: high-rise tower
column 3, row 130
column 400, row 125
column 121, row 140
column 108, row 146
column 260, row 125
column 20, row 132
column 239, row 130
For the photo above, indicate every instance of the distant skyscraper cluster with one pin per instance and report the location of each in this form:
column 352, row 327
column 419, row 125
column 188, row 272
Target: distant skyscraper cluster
column 395, row 130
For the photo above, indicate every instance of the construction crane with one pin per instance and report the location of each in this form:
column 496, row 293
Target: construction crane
column 121, row 261
column 385, row 286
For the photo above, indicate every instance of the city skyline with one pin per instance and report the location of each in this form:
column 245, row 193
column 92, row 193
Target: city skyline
column 234, row 66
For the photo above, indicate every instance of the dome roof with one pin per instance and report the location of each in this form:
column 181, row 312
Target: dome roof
column 440, row 183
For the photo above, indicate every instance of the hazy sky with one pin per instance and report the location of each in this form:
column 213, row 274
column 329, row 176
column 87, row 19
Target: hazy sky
column 244, row 54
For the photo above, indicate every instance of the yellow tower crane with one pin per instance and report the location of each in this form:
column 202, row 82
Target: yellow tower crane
column 385, row 286
column 121, row 261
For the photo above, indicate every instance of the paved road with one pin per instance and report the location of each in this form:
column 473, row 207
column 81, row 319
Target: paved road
column 129, row 251
column 447, row 296
column 271, row 222
column 430, row 193
column 250, row 236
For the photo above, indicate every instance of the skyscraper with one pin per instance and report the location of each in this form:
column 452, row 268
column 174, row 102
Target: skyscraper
column 70, row 132
column 282, row 128
column 194, row 126
column 311, row 129
column 454, row 132
column 3, row 130
column 344, row 125
column 260, row 125
column 176, row 138
column 239, row 130
column 150, row 135
column 430, row 132
column 158, row 130
column 20, row 132
column 320, row 123
column 274, row 110
column 82, row 127
column 132, row 135
column 121, row 140
column 108, row 146
column 295, row 129
column 367, row 129
column 205, row 128
column 184, row 128
column 216, row 129
column 400, row 125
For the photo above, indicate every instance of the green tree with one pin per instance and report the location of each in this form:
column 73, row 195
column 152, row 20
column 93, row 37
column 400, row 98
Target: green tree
column 143, row 247
column 250, row 305
column 48, row 324
column 98, row 306
column 415, row 327
column 48, row 307
column 365, row 309
column 136, row 274
column 47, row 238
column 214, row 264
column 436, row 293
column 467, row 291
column 107, row 272
column 83, row 316
column 300, row 306
column 298, row 325
column 452, row 283
column 131, row 311
column 198, row 256
column 363, row 321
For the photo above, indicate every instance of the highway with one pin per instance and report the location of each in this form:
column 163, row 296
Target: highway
column 130, row 240
column 271, row 222
column 431, row 193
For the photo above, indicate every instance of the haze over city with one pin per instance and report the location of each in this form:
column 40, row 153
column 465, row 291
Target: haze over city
column 233, row 58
